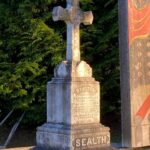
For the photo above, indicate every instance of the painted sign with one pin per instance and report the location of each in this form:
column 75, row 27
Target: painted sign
column 139, row 47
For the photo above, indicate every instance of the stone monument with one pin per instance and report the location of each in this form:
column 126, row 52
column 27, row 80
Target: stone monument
column 73, row 97
column 135, row 71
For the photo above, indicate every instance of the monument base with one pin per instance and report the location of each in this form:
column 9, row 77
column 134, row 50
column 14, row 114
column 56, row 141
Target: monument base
column 75, row 137
column 73, row 111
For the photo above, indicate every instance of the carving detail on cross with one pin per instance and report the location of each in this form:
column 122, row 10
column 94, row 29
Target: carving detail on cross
column 73, row 16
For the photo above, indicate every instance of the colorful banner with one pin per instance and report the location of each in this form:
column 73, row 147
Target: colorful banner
column 139, row 50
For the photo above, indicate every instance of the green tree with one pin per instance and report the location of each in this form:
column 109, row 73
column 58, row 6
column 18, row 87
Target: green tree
column 100, row 49
column 29, row 49
column 31, row 44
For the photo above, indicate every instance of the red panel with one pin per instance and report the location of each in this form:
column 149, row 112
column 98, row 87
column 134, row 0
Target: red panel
column 144, row 108
column 139, row 21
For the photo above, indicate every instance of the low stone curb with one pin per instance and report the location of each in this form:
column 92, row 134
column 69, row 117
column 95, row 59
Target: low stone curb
column 35, row 148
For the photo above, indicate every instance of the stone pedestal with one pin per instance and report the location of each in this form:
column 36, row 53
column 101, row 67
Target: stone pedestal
column 75, row 137
column 73, row 111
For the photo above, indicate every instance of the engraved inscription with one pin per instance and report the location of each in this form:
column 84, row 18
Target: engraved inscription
column 87, row 142
column 86, row 104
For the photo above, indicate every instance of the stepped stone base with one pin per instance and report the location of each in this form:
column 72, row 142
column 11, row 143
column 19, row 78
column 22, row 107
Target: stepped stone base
column 38, row 148
column 73, row 111
column 102, row 148
column 79, row 137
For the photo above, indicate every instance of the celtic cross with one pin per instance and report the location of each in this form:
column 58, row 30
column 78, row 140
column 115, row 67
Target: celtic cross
column 73, row 16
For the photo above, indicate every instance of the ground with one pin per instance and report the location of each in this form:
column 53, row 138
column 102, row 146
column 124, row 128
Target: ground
column 25, row 137
column 22, row 138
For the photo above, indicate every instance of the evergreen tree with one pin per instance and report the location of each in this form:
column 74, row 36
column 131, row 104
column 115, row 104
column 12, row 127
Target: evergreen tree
column 29, row 49
column 31, row 44
column 100, row 49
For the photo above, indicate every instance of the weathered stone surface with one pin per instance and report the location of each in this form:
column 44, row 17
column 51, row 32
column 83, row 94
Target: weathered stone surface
column 73, row 16
column 75, row 137
column 77, row 102
column 135, row 67
column 73, row 116
column 73, row 96
column 102, row 148
column 73, row 110
column 73, row 69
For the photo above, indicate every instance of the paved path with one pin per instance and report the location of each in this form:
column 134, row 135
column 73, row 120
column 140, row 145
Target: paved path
column 19, row 148
column 32, row 148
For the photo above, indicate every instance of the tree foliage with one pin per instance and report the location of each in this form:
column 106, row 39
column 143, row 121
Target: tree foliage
column 31, row 44
column 100, row 49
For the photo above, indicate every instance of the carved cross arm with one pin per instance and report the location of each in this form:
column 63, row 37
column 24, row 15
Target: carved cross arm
column 87, row 18
column 59, row 13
